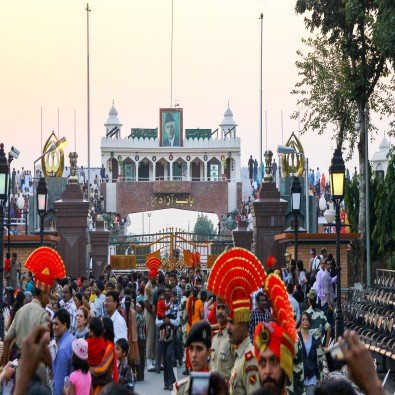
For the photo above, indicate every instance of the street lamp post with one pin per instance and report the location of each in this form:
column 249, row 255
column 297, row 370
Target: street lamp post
column 337, row 177
column 20, row 202
column 42, row 203
column 296, row 192
column 4, row 172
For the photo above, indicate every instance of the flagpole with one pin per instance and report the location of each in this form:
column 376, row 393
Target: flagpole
column 171, row 54
column 88, row 10
column 260, row 110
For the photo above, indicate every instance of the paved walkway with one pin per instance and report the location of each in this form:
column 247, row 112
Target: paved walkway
column 153, row 383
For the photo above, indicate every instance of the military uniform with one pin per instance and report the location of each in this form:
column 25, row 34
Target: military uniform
column 183, row 386
column 199, row 332
column 244, row 377
column 318, row 325
column 222, row 353
column 297, row 385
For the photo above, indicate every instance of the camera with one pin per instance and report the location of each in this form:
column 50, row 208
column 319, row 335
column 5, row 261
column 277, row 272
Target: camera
column 200, row 383
column 334, row 357
column 14, row 152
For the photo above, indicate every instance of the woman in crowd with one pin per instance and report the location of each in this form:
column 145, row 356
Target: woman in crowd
column 82, row 316
column 309, row 349
column 106, row 372
column 18, row 303
column 77, row 300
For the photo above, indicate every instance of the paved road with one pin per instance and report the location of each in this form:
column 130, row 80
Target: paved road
column 153, row 383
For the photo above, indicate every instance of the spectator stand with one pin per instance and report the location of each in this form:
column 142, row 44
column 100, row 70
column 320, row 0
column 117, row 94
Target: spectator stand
column 371, row 313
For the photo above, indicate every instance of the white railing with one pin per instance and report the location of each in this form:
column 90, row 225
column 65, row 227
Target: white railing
column 154, row 143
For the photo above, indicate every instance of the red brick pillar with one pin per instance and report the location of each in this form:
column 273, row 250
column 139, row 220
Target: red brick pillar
column 72, row 225
column 242, row 237
column 99, row 248
column 268, row 214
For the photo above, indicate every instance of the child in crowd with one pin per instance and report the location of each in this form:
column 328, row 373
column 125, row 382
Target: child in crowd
column 80, row 379
column 161, row 309
column 124, row 370
column 96, row 342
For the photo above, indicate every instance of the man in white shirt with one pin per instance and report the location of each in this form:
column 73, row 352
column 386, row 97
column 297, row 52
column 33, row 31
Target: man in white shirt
column 111, row 304
column 294, row 302
column 68, row 303
column 318, row 282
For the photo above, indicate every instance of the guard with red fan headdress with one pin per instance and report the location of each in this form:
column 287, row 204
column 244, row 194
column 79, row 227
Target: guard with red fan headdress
column 46, row 265
column 274, row 342
column 153, row 264
column 235, row 275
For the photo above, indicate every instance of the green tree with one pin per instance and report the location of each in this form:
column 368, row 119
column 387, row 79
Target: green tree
column 384, row 206
column 363, row 37
column 204, row 227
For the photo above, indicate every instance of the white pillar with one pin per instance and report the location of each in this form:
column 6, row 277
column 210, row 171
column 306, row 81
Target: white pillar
column 136, row 171
column 188, row 171
column 154, row 170
column 205, row 171
column 171, row 171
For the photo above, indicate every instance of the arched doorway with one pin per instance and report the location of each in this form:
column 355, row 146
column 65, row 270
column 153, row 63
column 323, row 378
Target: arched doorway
column 214, row 169
column 129, row 169
column 113, row 169
column 197, row 169
column 179, row 169
column 143, row 171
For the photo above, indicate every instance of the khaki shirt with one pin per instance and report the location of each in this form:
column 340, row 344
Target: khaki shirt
column 222, row 354
column 149, row 293
column 26, row 319
column 182, row 386
column 244, row 377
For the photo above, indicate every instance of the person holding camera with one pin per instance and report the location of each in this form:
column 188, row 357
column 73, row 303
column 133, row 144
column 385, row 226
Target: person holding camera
column 198, row 342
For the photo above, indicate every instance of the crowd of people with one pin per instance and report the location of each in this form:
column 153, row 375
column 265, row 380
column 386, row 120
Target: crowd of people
column 104, row 334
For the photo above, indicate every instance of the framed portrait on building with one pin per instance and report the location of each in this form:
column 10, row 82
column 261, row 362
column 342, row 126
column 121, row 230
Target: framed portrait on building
column 170, row 127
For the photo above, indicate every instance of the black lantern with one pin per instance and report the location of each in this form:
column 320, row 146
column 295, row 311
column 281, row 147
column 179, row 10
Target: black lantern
column 337, row 172
column 296, row 195
column 42, row 196
column 3, row 175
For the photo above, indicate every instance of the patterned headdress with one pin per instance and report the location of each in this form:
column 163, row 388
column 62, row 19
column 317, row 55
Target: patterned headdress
column 279, row 336
column 46, row 265
column 153, row 265
column 235, row 275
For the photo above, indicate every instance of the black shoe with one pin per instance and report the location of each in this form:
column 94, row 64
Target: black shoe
column 180, row 363
column 151, row 370
column 185, row 372
column 162, row 368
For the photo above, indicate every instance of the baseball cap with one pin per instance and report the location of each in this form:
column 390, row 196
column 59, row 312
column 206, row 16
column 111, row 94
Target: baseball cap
column 80, row 348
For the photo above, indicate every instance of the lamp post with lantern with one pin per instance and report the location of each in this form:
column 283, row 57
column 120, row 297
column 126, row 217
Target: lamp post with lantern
column 42, row 203
column 296, row 193
column 4, row 174
column 21, row 203
column 337, row 180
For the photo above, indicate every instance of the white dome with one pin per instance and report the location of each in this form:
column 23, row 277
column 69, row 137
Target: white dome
column 228, row 118
column 385, row 144
column 113, row 117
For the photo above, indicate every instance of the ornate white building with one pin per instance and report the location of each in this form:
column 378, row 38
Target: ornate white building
column 200, row 155
column 379, row 159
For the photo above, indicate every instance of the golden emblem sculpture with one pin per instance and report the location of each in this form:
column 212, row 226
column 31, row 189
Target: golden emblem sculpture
column 52, row 163
column 293, row 164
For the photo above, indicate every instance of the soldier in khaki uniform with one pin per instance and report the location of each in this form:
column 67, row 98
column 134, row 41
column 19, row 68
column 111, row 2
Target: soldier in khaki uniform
column 198, row 342
column 235, row 275
column 222, row 352
column 275, row 342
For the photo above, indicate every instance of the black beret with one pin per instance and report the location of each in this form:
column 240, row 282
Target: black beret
column 199, row 332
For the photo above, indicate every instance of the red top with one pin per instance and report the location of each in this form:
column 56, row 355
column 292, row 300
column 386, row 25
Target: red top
column 7, row 265
column 161, row 308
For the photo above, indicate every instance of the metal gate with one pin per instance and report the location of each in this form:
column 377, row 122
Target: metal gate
column 175, row 248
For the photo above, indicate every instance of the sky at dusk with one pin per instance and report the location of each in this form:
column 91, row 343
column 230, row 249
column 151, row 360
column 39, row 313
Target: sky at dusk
column 216, row 60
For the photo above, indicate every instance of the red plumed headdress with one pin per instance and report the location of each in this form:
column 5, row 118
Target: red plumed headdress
column 46, row 265
column 279, row 336
column 271, row 261
column 235, row 275
column 153, row 265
